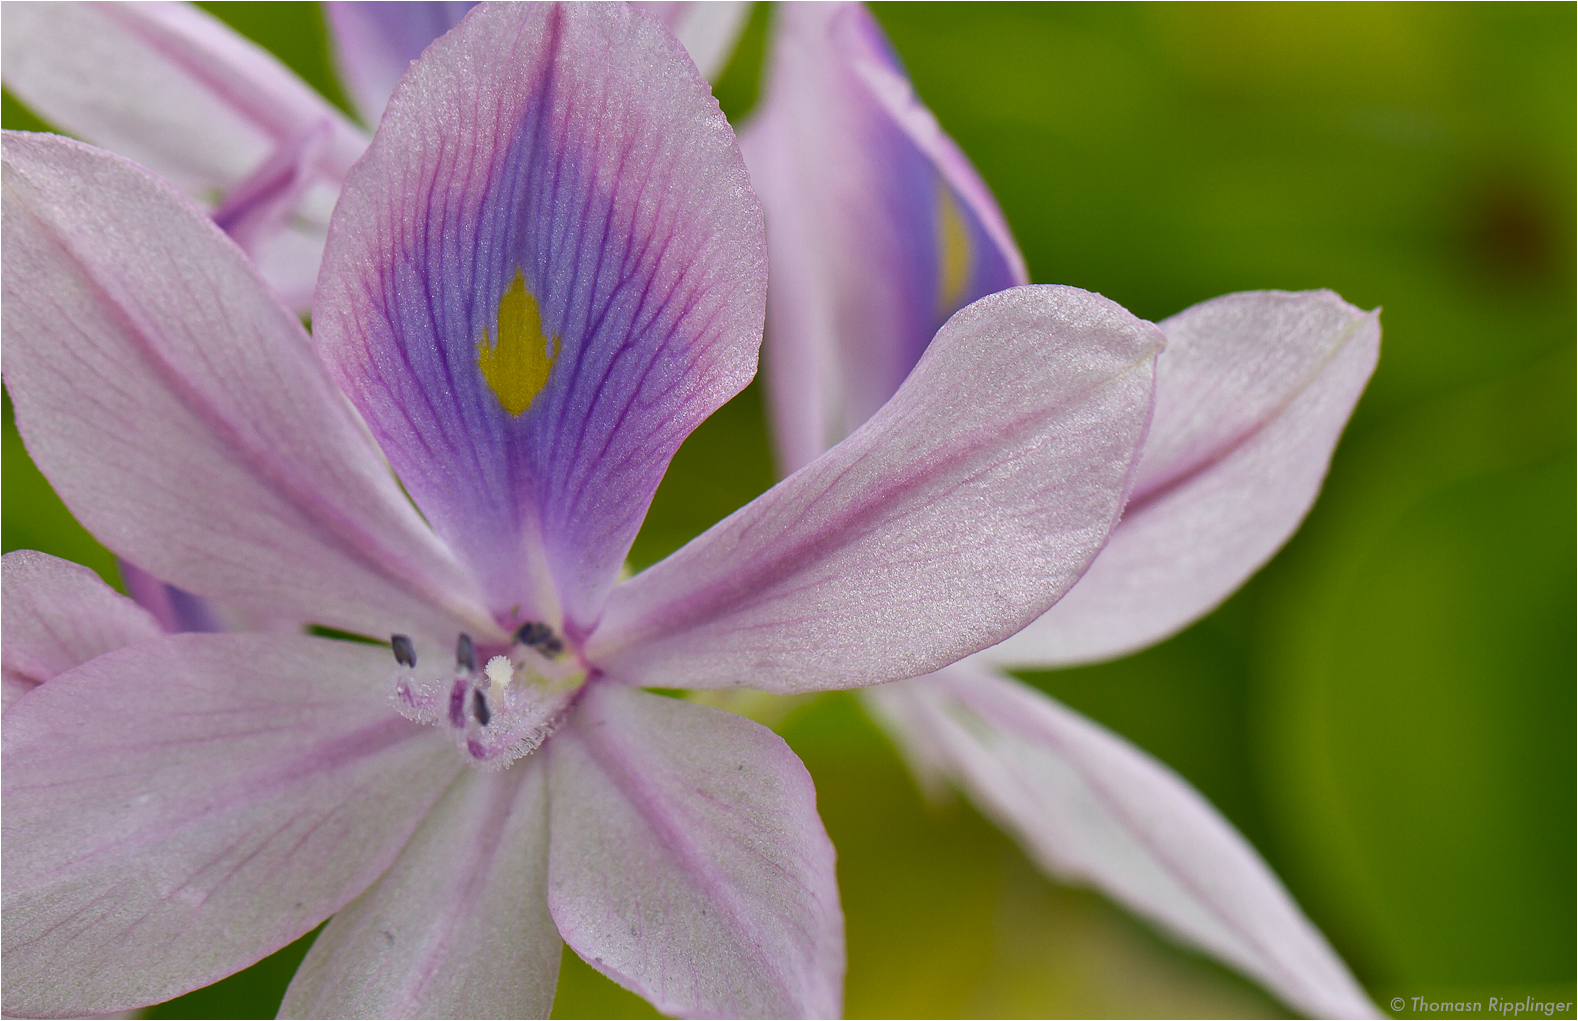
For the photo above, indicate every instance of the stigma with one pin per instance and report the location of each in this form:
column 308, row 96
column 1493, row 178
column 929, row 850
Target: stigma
column 498, row 713
column 500, row 672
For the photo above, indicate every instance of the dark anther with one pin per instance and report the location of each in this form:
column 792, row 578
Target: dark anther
column 405, row 652
column 479, row 702
column 533, row 633
column 539, row 636
column 465, row 652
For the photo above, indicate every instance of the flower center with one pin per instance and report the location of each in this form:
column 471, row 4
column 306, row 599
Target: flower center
column 504, row 710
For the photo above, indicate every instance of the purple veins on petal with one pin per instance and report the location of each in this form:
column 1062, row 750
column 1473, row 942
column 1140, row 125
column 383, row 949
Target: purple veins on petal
column 533, row 304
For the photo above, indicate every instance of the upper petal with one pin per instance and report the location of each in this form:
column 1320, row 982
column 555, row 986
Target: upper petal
column 546, row 272
column 180, row 411
column 956, row 514
column 177, row 809
column 878, row 227
column 1090, row 807
column 171, row 87
column 687, row 861
column 58, row 615
column 708, row 29
column 458, row 926
column 374, row 42
column 1252, row 394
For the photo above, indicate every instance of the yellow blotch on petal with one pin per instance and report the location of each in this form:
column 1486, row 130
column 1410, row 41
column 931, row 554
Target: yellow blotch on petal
column 518, row 357
column 953, row 252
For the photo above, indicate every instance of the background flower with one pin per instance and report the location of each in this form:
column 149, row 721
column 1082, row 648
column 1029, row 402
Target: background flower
column 1386, row 710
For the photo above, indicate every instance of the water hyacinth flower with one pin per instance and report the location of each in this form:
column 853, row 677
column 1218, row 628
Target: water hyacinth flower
column 879, row 229
column 171, row 87
column 545, row 271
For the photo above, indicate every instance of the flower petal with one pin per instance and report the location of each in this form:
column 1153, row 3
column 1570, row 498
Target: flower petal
column 686, row 860
column 182, row 415
column 177, row 809
column 59, row 615
column 174, row 89
column 879, row 228
column 955, row 515
column 1090, row 807
column 1252, row 394
column 458, row 926
column 258, row 214
column 546, row 272
column 374, row 43
column 708, row 29
column 175, row 609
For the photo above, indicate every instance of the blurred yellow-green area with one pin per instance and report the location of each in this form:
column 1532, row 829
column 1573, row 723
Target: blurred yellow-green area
column 1387, row 710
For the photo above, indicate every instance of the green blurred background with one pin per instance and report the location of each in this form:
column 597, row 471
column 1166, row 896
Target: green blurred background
column 1387, row 710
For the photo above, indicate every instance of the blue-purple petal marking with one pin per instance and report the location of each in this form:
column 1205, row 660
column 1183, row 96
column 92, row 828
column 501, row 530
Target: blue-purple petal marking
column 548, row 269
column 880, row 228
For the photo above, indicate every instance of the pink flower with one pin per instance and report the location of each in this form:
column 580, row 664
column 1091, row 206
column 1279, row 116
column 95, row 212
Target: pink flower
column 878, row 230
column 548, row 268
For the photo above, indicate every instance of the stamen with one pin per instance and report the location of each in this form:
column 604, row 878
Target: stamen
column 500, row 713
column 404, row 650
column 539, row 636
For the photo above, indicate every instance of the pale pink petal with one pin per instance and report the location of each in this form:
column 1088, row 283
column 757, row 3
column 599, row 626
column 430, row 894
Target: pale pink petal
column 686, row 860
column 458, row 926
column 708, row 29
column 1092, row 808
column 182, row 415
column 1252, row 394
column 13, row 687
column 177, row 809
column 171, row 87
column 58, row 615
column 953, row 517
column 878, row 227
